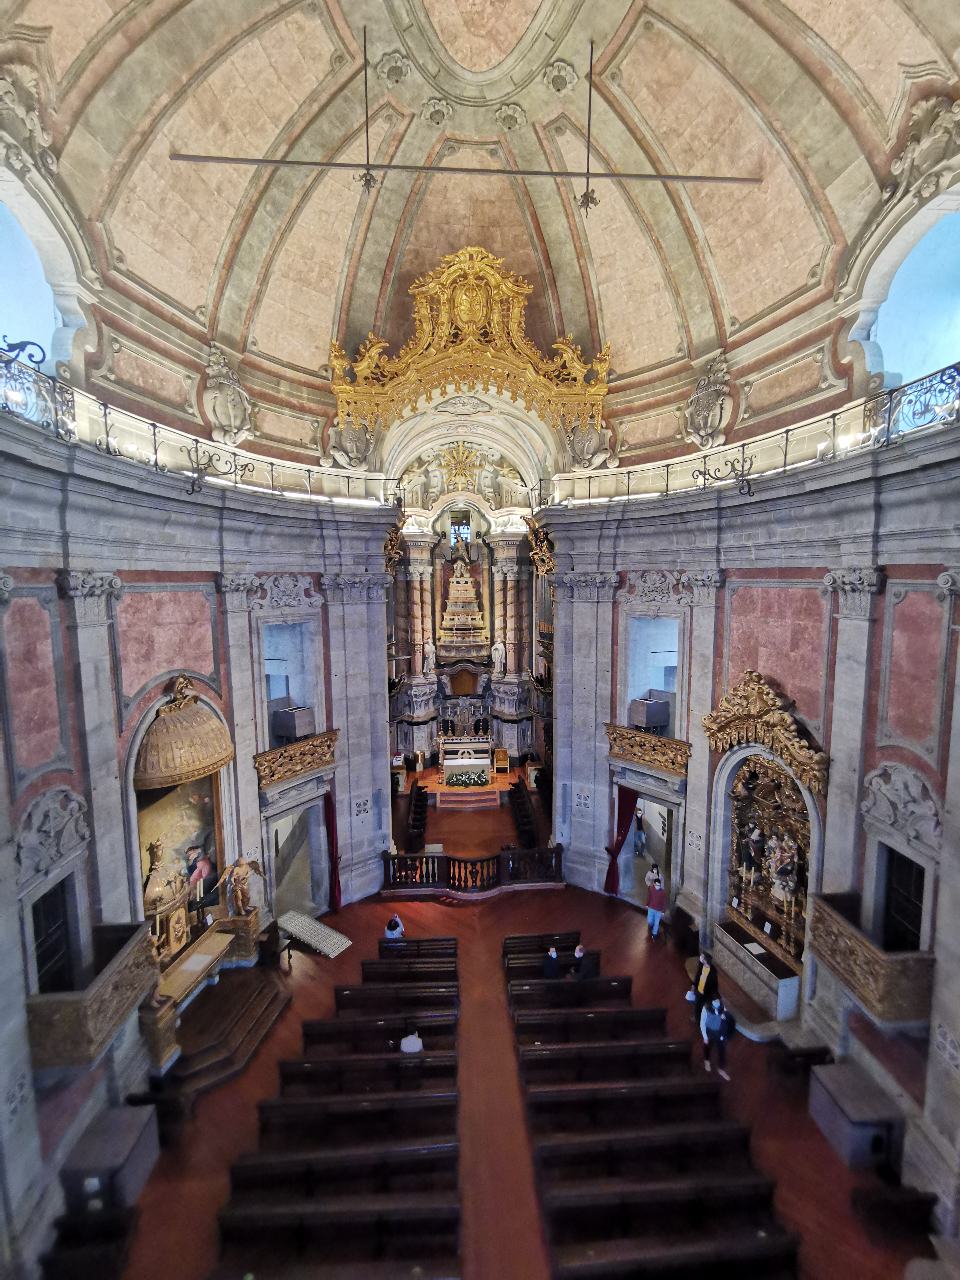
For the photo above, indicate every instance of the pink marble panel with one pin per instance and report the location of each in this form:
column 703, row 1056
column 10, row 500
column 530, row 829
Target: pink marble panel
column 779, row 631
column 31, row 682
column 163, row 631
column 915, row 672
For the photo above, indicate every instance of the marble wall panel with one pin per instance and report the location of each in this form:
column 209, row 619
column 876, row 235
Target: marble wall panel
column 160, row 632
column 914, row 668
column 31, row 683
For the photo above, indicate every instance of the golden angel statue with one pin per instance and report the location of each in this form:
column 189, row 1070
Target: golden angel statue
column 238, row 876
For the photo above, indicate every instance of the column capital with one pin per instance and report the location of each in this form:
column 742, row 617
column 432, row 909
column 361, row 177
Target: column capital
column 948, row 583
column 356, row 588
column 90, row 592
column 6, row 586
column 239, row 590
column 701, row 585
column 586, row 587
column 855, row 588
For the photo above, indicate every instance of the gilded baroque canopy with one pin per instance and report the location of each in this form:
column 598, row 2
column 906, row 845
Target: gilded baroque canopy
column 186, row 741
column 469, row 316
column 754, row 712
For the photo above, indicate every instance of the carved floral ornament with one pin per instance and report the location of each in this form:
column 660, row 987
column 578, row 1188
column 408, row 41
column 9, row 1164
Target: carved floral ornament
column 469, row 334
column 656, row 589
column 296, row 759
column 541, row 552
column 24, row 139
column 670, row 755
column 900, row 799
column 53, row 828
column 754, row 712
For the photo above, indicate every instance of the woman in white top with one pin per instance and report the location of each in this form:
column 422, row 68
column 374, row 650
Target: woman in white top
column 394, row 928
column 653, row 874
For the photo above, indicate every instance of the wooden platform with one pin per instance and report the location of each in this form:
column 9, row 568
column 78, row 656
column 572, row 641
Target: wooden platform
column 468, row 798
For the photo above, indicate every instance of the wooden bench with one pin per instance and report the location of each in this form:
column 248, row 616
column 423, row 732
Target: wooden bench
column 443, row 948
column 540, row 1026
column 349, row 1118
column 353, row 1032
column 547, row 993
column 523, row 943
column 415, row 969
column 413, row 1165
column 388, row 997
column 643, row 1153
column 744, row 1252
column 367, row 1072
column 604, row 1060
column 386, row 1269
column 612, row 1104
column 531, row 966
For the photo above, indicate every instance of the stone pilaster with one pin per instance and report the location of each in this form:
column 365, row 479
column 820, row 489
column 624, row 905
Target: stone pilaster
column 931, row 1158
column 89, row 595
column 240, row 593
column 512, row 577
column 357, row 616
column 702, row 588
column 854, row 591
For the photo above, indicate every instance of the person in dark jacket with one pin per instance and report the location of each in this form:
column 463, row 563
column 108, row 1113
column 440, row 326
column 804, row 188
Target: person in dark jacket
column 706, row 985
column 713, row 1030
column 551, row 964
column 574, row 970
column 656, row 905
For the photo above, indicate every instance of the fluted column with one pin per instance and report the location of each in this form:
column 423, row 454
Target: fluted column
column 401, row 618
column 421, row 601
column 511, row 580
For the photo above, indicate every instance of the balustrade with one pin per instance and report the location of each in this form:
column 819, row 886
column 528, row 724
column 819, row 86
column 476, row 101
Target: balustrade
column 470, row 874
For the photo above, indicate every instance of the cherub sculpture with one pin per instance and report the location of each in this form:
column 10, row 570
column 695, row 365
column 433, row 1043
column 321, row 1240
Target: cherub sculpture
column 238, row 876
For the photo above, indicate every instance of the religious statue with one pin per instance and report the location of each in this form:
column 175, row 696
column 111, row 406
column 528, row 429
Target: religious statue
column 238, row 876
column 165, row 880
column 225, row 402
column 498, row 656
column 429, row 657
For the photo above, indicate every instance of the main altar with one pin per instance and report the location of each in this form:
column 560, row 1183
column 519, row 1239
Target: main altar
column 473, row 754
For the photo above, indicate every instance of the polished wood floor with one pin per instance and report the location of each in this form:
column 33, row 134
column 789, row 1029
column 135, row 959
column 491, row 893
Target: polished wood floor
column 502, row 1234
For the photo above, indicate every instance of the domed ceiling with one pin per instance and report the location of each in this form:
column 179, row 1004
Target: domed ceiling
column 271, row 264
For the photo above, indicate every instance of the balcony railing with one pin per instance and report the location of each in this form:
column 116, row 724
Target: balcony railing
column 465, row 874
column 874, row 423
column 78, row 419
column 891, row 986
column 306, row 755
column 73, row 1028
column 637, row 746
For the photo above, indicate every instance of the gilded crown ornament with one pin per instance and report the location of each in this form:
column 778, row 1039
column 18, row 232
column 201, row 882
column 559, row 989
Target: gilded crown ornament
column 469, row 335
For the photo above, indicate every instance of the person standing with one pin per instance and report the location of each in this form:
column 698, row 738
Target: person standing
column 713, row 1029
column 656, row 905
column 706, row 986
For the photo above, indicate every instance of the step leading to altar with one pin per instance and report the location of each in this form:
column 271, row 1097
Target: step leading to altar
column 469, row 798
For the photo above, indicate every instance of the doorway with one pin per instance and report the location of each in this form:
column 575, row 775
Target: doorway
column 649, row 842
column 301, row 872
column 903, row 903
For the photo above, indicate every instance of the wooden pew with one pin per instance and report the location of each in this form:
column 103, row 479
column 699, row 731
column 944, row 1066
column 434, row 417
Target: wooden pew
column 237, row 1267
column 723, row 1254
column 415, row 969
column 350, row 1118
column 367, row 1073
column 523, row 943
column 656, row 1151
column 355, row 1032
column 604, row 1060
column 389, row 997
column 552, row 993
column 613, row 1104
column 412, row 1165
column 442, row 948
column 531, row 965
column 557, row 1026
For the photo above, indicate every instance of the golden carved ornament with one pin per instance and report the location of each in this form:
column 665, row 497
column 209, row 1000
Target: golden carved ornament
column 669, row 755
column 541, row 554
column 469, row 333
column 393, row 547
column 754, row 712
column 305, row 756
column 186, row 741
column 893, row 986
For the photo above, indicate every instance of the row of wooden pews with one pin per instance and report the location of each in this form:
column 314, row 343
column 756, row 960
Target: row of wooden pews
column 639, row 1173
column 524, row 817
column 357, row 1170
column 416, row 819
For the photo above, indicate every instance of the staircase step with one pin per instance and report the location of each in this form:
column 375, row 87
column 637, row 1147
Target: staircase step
column 217, row 1068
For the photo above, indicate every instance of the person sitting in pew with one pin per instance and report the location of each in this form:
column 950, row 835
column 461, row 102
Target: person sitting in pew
column 551, row 964
column 574, row 970
column 412, row 1043
column 394, row 929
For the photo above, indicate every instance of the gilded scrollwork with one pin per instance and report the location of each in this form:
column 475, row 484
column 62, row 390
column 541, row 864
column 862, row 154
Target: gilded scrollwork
column 541, row 552
column 670, row 755
column 755, row 712
column 297, row 758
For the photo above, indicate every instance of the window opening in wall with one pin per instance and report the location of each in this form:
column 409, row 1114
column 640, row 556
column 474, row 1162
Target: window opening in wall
column 51, row 941
column 918, row 326
column 652, row 646
column 27, row 307
column 290, row 710
column 903, row 903
column 459, row 527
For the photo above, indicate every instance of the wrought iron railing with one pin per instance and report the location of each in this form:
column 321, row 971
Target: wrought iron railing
column 874, row 423
column 78, row 419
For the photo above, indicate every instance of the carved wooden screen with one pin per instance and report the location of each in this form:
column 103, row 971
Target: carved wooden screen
column 769, row 857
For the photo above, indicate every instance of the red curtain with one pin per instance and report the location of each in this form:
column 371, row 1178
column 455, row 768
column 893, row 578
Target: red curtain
column 626, row 807
column 330, row 818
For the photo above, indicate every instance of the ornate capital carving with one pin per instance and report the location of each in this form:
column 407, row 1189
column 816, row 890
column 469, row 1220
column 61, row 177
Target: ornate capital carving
column 53, row 828
column 900, row 799
column 855, row 589
column 239, row 589
column 666, row 588
column 90, row 593
column 6, row 586
column 289, row 591
column 358, row 588
column 667, row 754
column 702, row 585
column 948, row 583
column 586, row 587
column 754, row 712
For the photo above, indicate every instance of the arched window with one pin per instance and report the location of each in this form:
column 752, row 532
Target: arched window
column 918, row 325
column 27, row 308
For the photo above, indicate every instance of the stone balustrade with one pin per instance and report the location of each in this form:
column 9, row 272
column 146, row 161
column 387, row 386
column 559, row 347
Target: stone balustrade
column 73, row 1028
column 891, row 986
column 668, row 755
column 463, row 875
column 306, row 755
